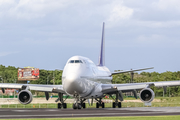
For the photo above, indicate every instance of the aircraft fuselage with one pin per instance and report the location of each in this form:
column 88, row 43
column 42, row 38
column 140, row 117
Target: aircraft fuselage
column 82, row 77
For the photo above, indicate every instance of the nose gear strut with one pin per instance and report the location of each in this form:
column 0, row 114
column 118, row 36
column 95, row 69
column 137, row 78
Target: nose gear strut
column 76, row 104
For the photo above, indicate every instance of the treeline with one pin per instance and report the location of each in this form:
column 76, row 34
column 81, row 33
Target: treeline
column 151, row 77
column 9, row 75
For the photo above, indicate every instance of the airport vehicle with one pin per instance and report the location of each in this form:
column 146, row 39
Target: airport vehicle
column 84, row 80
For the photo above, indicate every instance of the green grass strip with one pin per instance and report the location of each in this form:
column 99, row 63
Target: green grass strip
column 174, row 117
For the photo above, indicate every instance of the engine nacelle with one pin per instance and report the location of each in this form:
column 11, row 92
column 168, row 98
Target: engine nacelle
column 25, row 97
column 147, row 95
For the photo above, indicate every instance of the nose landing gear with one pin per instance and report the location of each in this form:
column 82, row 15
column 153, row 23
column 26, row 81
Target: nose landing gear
column 77, row 106
column 79, row 103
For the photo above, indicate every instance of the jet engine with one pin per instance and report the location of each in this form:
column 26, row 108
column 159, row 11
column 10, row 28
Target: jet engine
column 25, row 97
column 147, row 95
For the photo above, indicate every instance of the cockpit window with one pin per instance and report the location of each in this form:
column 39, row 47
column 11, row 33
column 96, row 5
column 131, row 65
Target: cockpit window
column 71, row 61
column 75, row 61
column 78, row 61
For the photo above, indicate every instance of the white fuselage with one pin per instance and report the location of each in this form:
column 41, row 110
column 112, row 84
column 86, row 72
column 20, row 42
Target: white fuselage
column 82, row 77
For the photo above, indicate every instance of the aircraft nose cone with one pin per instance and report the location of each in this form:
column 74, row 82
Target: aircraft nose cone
column 72, row 84
column 71, row 78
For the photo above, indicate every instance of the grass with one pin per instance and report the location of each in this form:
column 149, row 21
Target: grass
column 69, row 105
column 107, row 105
column 177, row 117
column 158, row 102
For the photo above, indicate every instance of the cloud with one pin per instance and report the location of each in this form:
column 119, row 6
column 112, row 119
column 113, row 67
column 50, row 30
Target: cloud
column 7, row 53
column 30, row 9
column 119, row 12
column 167, row 5
column 154, row 38
column 60, row 28
column 157, row 41
column 156, row 24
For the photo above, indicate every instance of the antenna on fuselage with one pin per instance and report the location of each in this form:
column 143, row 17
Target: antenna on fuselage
column 102, row 51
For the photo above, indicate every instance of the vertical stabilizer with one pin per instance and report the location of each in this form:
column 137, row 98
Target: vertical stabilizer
column 102, row 57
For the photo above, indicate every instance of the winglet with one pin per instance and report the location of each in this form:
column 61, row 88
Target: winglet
column 101, row 57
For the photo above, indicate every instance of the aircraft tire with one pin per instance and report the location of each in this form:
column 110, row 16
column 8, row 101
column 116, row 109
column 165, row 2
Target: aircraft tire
column 119, row 104
column 74, row 106
column 84, row 105
column 59, row 105
column 114, row 105
column 97, row 105
column 103, row 105
column 79, row 106
column 64, row 105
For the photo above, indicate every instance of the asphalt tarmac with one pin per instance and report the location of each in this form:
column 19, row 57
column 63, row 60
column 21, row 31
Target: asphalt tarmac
column 90, row 112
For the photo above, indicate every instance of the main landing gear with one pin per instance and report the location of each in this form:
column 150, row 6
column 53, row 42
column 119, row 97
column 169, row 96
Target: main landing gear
column 62, row 104
column 116, row 103
column 80, row 103
column 99, row 103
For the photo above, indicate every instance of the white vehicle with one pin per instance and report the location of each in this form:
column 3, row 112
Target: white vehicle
column 84, row 80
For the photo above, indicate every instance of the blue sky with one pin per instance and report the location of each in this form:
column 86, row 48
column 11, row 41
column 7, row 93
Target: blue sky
column 46, row 33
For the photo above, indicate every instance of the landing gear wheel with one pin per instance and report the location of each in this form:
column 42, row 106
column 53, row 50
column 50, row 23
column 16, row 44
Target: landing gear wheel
column 97, row 105
column 60, row 99
column 84, row 105
column 59, row 105
column 102, row 104
column 74, row 106
column 79, row 106
column 64, row 105
column 119, row 104
column 114, row 105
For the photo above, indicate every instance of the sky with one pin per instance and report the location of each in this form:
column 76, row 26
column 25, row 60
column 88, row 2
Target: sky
column 46, row 33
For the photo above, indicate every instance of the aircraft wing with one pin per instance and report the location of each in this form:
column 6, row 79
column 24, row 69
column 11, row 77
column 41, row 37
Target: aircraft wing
column 111, row 88
column 131, row 70
column 36, row 87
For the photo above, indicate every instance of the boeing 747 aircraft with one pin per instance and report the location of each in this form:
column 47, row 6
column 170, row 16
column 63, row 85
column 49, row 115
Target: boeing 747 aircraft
column 82, row 79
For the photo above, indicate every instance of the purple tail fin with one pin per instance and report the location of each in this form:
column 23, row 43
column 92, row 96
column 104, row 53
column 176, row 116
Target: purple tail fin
column 102, row 56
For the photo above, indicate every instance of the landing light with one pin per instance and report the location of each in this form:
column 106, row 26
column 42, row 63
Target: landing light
column 115, row 87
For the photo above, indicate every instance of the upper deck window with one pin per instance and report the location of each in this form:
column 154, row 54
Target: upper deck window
column 75, row 61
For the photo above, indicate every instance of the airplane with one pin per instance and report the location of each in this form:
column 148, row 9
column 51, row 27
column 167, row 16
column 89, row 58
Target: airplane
column 84, row 80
